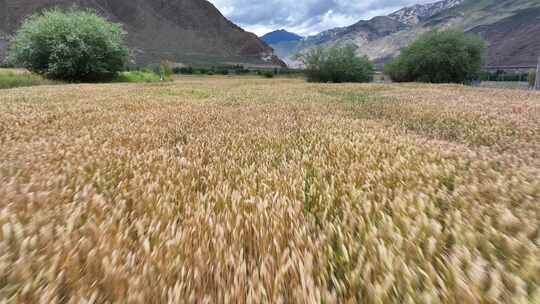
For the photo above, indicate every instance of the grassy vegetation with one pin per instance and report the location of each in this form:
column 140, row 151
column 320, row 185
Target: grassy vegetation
column 12, row 78
column 269, row 190
column 139, row 76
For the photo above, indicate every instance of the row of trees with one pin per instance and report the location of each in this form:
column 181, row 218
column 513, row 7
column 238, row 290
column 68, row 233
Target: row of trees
column 82, row 46
column 436, row 57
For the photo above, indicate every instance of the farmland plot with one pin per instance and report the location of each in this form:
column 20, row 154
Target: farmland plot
column 240, row 190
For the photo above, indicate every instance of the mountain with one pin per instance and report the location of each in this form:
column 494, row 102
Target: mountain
column 280, row 36
column 510, row 28
column 283, row 43
column 185, row 31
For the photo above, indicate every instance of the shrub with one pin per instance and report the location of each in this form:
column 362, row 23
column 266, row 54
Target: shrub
column 72, row 46
column 267, row 74
column 532, row 78
column 439, row 57
column 337, row 64
column 222, row 71
column 202, row 71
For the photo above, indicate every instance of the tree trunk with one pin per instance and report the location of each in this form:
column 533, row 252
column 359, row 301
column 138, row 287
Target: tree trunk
column 537, row 83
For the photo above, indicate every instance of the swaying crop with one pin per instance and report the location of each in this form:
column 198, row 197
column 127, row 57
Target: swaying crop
column 269, row 191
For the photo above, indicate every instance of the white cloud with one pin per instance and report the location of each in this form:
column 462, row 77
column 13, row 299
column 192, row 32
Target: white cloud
column 305, row 17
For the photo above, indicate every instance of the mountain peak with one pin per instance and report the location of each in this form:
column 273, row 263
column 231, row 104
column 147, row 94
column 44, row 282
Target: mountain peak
column 280, row 35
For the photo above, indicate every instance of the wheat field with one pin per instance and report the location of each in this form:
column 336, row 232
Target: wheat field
column 245, row 190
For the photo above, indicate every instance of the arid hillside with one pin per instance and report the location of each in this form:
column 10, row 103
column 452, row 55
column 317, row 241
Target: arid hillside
column 514, row 40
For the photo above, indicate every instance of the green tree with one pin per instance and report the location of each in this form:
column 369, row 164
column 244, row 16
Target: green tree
column 449, row 56
column 71, row 46
column 337, row 64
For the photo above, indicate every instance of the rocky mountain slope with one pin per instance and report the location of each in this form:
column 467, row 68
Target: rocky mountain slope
column 186, row 31
column 413, row 15
column 511, row 28
column 516, row 38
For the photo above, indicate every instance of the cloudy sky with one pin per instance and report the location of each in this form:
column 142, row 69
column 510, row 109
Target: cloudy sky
column 304, row 17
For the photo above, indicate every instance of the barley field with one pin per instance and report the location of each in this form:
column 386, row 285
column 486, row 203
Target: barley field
column 246, row 190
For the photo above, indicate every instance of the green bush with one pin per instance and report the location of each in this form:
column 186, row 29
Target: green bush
column 337, row 64
column 532, row 78
column 439, row 57
column 201, row 71
column 12, row 79
column 71, row 46
column 267, row 74
column 222, row 71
